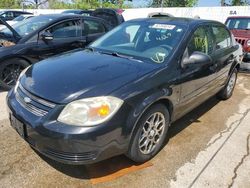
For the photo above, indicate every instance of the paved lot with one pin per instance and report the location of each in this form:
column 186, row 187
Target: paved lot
column 207, row 148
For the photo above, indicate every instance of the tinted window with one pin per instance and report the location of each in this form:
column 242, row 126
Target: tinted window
column 238, row 23
column 66, row 29
column 222, row 37
column 93, row 27
column 201, row 41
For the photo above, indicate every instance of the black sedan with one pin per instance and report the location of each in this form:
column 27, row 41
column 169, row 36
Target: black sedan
column 43, row 36
column 121, row 94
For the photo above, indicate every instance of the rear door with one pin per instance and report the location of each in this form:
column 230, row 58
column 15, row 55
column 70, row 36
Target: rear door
column 93, row 29
column 223, row 52
column 67, row 35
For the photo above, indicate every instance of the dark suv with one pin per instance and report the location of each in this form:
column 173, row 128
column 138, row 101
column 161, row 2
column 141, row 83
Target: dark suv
column 240, row 27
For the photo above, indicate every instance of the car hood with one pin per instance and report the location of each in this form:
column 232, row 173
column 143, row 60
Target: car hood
column 241, row 33
column 82, row 74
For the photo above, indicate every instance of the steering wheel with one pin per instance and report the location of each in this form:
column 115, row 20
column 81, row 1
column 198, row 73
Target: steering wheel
column 158, row 54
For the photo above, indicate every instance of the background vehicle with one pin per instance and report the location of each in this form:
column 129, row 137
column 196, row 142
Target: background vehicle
column 8, row 15
column 120, row 95
column 43, row 36
column 240, row 27
column 80, row 12
column 17, row 19
column 159, row 15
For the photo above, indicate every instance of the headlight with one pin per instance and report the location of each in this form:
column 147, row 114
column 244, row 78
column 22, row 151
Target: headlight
column 248, row 43
column 90, row 111
column 21, row 74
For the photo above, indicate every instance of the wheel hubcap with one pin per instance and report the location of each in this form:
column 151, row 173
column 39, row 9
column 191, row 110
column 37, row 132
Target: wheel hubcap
column 152, row 132
column 231, row 83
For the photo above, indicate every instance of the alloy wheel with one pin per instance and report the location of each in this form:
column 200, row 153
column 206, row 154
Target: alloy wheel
column 152, row 132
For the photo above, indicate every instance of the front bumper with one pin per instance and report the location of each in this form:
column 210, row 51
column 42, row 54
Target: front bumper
column 69, row 144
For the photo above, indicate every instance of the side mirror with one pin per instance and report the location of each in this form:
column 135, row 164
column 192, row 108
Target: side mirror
column 47, row 36
column 197, row 59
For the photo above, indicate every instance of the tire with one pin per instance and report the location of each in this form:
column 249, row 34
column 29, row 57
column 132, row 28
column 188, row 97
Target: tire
column 227, row 91
column 138, row 150
column 9, row 72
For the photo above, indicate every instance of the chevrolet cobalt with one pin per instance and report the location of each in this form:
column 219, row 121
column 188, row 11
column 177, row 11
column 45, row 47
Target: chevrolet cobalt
column 121, row 94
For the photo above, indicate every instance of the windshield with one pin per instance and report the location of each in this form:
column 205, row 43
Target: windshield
column 27, row 26
column 141, row 40
column 238, row 23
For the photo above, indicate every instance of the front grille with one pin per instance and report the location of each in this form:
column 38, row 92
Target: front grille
column 32, row 103
column 241, row 41
column 71, row 157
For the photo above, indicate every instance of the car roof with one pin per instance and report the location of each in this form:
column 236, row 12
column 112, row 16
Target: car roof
column 238, row 17
column 176, row 20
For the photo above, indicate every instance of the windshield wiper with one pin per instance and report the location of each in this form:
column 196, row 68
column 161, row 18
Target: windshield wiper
column 90, row 49
column 115, row 54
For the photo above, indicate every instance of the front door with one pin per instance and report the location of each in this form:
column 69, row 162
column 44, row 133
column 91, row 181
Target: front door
column 66, row 36
column 197, row 80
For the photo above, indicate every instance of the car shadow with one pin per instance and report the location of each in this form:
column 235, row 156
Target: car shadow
column 115, row 164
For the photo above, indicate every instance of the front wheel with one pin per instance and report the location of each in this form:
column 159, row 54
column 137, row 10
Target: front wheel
column 10, row 71
column 227, row 91
column 150, row 134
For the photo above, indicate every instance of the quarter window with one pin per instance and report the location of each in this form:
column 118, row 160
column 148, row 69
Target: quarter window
column 222, row 37
column 67, row 29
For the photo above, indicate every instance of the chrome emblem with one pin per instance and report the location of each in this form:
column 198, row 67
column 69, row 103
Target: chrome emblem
column 27, row 100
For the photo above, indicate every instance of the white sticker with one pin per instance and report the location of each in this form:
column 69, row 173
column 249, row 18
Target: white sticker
column 163, row 26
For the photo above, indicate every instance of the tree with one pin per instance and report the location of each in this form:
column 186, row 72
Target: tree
column 10, row 4
column 239, row 2
column 35, row 3
column 176, row 3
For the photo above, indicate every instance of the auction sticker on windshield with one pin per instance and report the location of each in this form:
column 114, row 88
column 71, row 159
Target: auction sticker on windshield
column 163, row 26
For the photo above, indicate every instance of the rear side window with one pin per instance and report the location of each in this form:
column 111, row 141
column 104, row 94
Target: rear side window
column 222, row 37
column 93, row 27
column 201, row 41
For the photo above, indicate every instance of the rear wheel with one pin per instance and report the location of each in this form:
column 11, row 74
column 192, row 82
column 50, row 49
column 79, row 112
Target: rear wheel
column 150, row 134
column 10, row 71
column 227, row 91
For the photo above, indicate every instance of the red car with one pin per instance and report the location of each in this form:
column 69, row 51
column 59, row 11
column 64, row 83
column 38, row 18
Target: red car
column 240, row 27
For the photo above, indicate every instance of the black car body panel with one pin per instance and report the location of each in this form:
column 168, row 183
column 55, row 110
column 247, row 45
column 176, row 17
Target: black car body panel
column 180, row 87
column 109, row 74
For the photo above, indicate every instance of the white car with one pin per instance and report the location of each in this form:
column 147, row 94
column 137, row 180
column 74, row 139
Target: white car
column 17, row 19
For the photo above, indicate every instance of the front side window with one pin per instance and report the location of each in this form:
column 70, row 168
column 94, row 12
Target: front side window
column 201, row 41
column 222, row 37
column 146, row 41
column 66, row 29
